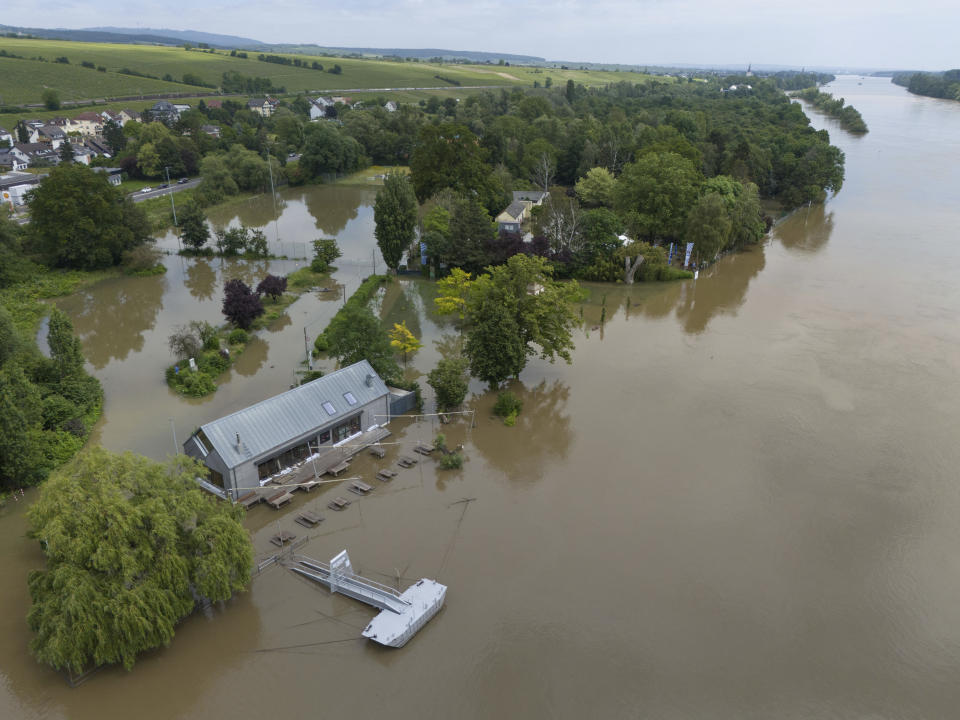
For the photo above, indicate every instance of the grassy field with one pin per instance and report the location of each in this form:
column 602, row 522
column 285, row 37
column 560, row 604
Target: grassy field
column 23, row 81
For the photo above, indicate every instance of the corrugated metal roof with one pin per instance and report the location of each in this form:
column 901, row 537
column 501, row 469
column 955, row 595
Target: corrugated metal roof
column 276, row 421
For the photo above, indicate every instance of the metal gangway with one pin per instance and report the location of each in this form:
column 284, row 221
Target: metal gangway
column 338, row 575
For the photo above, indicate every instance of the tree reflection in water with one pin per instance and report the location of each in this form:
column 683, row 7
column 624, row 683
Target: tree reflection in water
column 112, row 317
column 201, row 279
column 807, row 230
column 253, row 357
column 335, row 206
column 541, row 437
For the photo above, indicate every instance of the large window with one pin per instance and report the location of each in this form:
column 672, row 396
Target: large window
column 215, row 478
column 286, row 459
column 346, row 429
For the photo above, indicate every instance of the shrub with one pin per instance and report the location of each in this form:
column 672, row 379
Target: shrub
column 507, row 404
column 310, row 376
column 325, row 251
column 453, row 461
column 449, row 381
column 272, row 285
column 213, row 363
column 238, row 337
column 321, row 344
column 440, row 442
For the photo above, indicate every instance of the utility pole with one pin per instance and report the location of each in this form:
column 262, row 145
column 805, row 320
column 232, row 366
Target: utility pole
column 176, row 446
column 306, row 349
column 172, row 205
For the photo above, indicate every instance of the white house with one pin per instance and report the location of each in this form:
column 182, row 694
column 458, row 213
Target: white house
column 53, row 135
column 86, row 123
column 6, row 137
column 9, row 160
column 14, row 187
column 114, row 175
column 391, row 106
column 321, row 107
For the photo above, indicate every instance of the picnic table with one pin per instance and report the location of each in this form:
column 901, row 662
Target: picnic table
column 308, row 519
column 360, row 488
column 377, row 451
column 249, row 499
column 406, row 461
column 339, row 468
column 338, row 503
column 280, row 498
column 386, row 475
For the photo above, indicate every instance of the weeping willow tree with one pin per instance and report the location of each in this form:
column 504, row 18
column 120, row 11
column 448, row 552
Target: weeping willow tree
column 132, row 547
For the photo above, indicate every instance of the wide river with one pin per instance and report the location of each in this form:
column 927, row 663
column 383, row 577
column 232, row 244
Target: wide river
column 739, row 501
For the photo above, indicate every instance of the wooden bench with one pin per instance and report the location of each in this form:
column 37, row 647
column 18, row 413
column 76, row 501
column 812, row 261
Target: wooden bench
column 249, row 499
column 280, row 498
column 386, row 475
column 338, row 503
column 308, row 519
column 405, row 461
column 339, row 468
column 423, row 449
column 360, row 488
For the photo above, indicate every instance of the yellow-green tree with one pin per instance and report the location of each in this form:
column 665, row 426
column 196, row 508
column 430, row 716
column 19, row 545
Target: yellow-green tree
column 404, row 341
column 453, row 291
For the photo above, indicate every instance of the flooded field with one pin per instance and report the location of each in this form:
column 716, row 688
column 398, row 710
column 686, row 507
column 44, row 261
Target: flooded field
column 739, row 501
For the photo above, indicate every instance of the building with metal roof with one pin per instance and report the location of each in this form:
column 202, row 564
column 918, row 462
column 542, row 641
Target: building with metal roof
column 245, row 448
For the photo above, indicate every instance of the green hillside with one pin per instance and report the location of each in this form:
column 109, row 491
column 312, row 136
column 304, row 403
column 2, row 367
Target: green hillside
column 23, row 81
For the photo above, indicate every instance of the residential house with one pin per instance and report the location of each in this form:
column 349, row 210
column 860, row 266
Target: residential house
column 33, row 131
column 86, row 123
column 6, row 137
column 82, row 154
column 36, row 153
column 11, row 161
column 163, row 111
column 327, row 417
column 14, row 186
column 511, row 219
column 263, row 108
column 211, row 130
column 322, row 107
column 181, row 108
column 117, row 118
column 341, row 99
column 114, row 175
column 532, row 197
column 391, row 106
column 128, row 115
column 213, row 103
column 53, row 135
column 98, row 146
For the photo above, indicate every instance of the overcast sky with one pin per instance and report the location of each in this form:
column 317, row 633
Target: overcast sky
column 921, row 34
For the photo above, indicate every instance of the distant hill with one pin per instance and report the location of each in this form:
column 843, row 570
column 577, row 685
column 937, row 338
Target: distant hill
column 142, row 37
column 420, row 53
column 192, row 36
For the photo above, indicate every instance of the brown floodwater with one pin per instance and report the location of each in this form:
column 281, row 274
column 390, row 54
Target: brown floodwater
column 739, row 501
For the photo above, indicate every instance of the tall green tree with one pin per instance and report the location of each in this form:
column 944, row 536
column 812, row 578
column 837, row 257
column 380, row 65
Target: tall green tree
column 193, row 226
column 132, row 547
column 450, row 382
column 516, row 311
column 66, row 351
column 66, row 152
column 20, row 416
column 79, row 220
column 658, row 191
column 471, row 232
column 395, row 213
column 356, row 334
column 709, row 227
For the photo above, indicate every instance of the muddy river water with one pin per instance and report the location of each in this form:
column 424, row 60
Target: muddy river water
column 739, row 501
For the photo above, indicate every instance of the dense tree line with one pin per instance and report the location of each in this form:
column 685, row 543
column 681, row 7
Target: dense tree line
column 849, row 117
column 939, row 85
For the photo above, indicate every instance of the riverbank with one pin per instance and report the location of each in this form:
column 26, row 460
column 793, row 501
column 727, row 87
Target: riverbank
column 850, row 118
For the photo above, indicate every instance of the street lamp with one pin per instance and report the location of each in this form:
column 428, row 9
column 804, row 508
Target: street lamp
column 172, row 205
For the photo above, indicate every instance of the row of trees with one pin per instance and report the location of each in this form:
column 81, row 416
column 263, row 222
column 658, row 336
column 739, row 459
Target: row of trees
column 940, row 85
column 849, row 117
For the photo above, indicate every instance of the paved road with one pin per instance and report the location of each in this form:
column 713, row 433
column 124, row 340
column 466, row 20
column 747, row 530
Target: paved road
column 139, row 195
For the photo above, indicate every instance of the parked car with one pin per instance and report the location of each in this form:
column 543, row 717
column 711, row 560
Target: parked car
column 164, row 185
column 146, row 189
column 183, row 181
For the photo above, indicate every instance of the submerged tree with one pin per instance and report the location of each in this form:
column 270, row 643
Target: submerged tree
column 132, row 547
column 404, row 341
column 395, row 212
column 240, row 304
